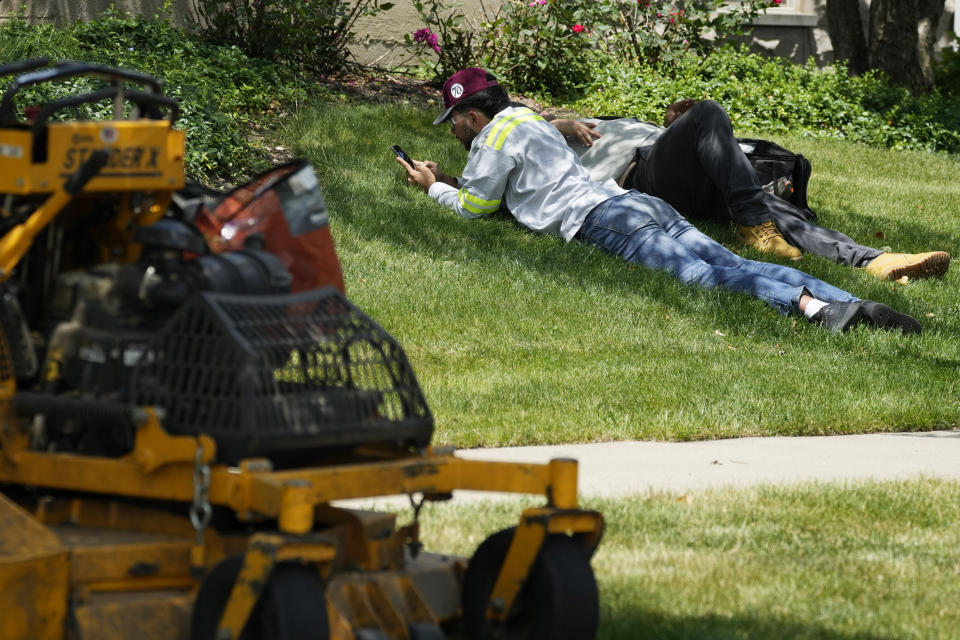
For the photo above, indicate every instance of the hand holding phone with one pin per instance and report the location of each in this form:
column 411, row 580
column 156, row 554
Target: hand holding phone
column 402, row 155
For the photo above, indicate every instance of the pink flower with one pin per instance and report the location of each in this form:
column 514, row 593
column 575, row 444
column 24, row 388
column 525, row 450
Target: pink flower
column 427, row 37
column 577, row 28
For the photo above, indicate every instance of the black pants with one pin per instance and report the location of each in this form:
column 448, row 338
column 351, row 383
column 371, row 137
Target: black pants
column 697, row 166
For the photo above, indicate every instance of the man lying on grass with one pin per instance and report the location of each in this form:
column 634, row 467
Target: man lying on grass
column 518, row 159
column 695, row 163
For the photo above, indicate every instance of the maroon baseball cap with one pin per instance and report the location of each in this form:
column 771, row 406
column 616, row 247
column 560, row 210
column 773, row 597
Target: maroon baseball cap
column 463, row 84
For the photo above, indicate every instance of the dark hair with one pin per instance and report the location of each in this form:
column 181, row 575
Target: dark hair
column 489, row 101
column 677, row 109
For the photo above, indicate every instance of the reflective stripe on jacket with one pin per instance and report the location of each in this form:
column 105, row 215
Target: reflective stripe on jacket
column 522, row 162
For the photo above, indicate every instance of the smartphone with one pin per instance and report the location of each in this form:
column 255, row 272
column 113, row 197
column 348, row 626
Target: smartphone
column 402, row 155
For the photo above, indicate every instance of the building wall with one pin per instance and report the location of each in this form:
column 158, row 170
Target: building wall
column 796, row 30
column 799, row 30
column 66, row 11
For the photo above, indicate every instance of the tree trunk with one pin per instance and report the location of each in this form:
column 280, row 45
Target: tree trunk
column 902, row 36
column 846, row 34
column 929, row 13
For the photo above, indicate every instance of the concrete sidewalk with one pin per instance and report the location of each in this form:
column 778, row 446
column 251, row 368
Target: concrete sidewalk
column 612, row 469
column 623, row 468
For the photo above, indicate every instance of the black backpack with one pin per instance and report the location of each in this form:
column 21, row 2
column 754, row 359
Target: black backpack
column 781, row 171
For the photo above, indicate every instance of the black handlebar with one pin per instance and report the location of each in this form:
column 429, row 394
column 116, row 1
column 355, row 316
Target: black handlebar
column 23, row 66
column 66, row 69
column 151, row 104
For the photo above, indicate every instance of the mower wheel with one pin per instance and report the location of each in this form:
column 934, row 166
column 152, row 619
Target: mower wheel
column 291, row 607
column 558, row 602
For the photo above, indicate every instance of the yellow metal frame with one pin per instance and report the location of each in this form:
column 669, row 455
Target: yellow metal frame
column 285, row 494
column 144, row 155
column 162, row 467
column 145, row 165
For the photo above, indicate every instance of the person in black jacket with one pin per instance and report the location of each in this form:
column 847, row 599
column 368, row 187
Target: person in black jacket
column 696, row 164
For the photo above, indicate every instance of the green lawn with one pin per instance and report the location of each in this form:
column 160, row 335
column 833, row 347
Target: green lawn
column 866, row 561
column 523, row 339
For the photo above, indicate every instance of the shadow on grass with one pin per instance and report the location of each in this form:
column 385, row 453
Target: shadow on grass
column 436, row 232
column 641, row 625
column 846, row 220
column 376, row 201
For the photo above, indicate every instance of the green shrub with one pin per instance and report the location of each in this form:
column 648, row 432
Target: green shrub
column 654, row 32
column 221, row 91
column 774, row 95
column 536, row 46
column 542, row 46
column 314, row 33
column 553, row 46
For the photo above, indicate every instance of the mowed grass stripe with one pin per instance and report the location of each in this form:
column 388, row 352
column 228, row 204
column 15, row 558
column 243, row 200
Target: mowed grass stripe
column 524, row 339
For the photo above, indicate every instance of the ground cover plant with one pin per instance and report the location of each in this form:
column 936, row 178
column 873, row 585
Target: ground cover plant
column 315, row 36
column 774, row 95
column 521, row 339
column 864, row 561
column 224, row 95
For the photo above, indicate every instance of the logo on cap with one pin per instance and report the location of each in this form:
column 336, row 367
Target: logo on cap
column 456, row 90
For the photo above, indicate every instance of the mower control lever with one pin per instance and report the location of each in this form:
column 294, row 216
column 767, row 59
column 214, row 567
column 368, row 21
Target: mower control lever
column 76, row 182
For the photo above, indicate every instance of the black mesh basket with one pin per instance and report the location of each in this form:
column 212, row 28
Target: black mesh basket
column 284, row 377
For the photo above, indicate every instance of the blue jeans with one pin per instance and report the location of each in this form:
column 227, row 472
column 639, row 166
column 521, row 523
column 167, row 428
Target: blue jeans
column 648, row 231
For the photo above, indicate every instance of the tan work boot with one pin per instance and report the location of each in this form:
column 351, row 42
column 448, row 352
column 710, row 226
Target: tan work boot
column 893, row 266
column 766, row 237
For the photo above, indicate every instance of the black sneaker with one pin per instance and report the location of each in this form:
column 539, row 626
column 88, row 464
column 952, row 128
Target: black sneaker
column 883, row 317
column 840, row 316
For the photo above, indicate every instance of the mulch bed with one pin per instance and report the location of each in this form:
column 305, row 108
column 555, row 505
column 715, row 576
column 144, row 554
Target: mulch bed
column 381, row 86
column 375, row 86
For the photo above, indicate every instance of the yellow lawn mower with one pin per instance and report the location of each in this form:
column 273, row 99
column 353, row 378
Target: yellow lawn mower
column 186, row 391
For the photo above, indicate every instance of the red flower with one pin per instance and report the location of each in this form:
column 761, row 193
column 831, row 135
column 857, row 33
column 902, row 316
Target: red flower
column 577, row 28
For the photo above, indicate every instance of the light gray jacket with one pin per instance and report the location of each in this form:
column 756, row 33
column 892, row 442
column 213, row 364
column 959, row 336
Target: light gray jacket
column 613, row 151
column 520, row 161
